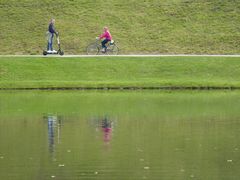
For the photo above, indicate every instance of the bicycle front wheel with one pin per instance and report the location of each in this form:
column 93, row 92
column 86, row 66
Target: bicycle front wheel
column 112, row 49
column 92, row 49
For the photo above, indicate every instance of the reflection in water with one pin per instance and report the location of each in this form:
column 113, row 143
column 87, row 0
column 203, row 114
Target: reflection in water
column 54, row 131
column 146, row 135
column 105, row 124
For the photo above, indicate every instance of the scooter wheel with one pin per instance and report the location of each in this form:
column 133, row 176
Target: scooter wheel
column 44, row 53
column 61, row 53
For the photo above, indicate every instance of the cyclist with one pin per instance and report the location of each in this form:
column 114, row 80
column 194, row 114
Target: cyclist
column 106, row 35
column 51, row 32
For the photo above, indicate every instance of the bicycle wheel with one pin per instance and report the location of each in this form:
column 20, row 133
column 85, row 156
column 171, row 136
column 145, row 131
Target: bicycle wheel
column 92, row 49
column 112, row 49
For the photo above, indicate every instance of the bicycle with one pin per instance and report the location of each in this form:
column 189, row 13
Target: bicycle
column 95, row 48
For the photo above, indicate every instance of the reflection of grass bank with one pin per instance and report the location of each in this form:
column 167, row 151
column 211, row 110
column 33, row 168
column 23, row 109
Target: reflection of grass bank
column 128, row 104
column 171, row 133
column 119, row 72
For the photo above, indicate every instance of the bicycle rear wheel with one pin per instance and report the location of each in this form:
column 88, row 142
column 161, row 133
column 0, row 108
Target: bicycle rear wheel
column 112, row 49
column 92, row 49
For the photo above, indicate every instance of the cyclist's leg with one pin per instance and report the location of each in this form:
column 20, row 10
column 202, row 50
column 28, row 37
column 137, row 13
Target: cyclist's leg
column 104, row 42
column 104, row 47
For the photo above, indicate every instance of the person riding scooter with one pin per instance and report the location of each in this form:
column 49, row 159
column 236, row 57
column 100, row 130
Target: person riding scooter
column 50, row 35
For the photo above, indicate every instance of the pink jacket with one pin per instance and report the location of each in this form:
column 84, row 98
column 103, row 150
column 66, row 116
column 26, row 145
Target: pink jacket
column 106, row 35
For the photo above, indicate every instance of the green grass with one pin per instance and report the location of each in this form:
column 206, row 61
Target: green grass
column 119, row 72
column 139, row 26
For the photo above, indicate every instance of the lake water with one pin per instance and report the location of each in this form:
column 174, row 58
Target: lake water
column 120, row 135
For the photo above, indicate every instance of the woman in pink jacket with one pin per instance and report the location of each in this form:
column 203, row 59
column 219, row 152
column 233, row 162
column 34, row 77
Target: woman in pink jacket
column 107, row 37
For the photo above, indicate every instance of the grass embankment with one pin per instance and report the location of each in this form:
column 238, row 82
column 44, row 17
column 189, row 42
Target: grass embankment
column 119, row 72
column 139, row 26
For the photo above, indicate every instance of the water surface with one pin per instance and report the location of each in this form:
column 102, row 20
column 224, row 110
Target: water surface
column 119, row 135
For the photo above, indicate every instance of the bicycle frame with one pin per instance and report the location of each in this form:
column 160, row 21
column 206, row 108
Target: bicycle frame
column 96, row 46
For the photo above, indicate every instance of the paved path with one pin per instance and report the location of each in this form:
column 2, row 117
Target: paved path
column 133, row 55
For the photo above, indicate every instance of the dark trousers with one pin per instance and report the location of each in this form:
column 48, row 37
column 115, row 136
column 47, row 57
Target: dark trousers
column 50, row 42
column 104, row 42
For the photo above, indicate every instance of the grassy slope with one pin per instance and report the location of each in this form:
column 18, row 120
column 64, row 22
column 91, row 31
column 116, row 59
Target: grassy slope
column 139, row 26
column 120, row 72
